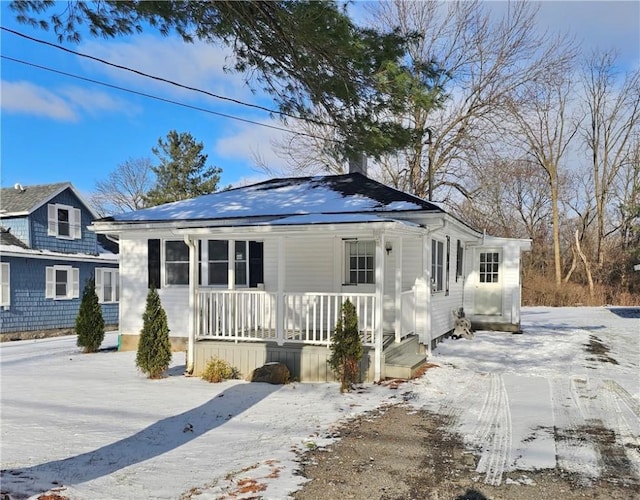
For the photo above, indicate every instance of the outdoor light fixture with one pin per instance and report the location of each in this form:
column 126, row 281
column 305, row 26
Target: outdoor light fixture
column 388, row 247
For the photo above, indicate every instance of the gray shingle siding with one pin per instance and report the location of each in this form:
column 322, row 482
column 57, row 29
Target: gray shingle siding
column 30, row 310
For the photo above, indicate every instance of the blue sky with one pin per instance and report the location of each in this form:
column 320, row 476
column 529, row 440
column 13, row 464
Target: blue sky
column 55, row 128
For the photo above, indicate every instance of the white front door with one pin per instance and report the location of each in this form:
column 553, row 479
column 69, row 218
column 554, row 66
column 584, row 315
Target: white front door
column 488, row 293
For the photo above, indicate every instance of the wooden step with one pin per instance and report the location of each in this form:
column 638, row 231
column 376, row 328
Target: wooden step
column 403, row 360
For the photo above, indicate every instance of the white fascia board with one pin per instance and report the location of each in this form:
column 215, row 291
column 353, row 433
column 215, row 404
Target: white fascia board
column 335, row 229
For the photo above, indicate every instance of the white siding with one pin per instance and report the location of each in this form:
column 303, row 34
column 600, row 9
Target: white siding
column 310, row 264
column 443, row 305
column 133, row 282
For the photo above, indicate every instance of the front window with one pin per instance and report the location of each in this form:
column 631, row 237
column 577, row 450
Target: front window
column 360, row 262
column 176, row 259
column 107, row 285
column 62, row 282
column 218, row 262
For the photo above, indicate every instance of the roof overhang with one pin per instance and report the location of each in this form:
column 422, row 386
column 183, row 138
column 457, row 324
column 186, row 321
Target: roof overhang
column 13, row 251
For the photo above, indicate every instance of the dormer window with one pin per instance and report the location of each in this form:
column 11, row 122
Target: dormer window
column 64, row 221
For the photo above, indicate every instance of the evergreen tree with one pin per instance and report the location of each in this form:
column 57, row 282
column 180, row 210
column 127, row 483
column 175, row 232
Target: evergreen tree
column 89, row 322
column 346, row 347
column 183, row 172
column 154, row 349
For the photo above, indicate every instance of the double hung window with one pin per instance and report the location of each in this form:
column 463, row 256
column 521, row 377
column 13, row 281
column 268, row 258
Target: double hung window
column 360, row 262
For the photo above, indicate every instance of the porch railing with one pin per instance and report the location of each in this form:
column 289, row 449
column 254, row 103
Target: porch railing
column 308, row 318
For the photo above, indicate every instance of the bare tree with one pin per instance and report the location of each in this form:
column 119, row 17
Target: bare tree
column 544, row 129
column 478, row 58
column 485, row 56
column 123, row 190
column 612, row 107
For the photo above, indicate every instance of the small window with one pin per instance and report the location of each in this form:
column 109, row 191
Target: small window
column 489, row 267
column 437, row 265
column 176, row 260
column 360, row 262
column 107, row 285
column 64, row 222
column 62, row 282
column 5, row 284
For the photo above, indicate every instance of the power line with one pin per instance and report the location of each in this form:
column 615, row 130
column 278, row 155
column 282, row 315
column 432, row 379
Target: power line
column 165, row 80
column 162, row 99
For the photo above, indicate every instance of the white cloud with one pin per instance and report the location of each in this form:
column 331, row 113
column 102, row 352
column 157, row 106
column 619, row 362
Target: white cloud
column 96, row 103
column 250, row 142
column 26, row 98
column 198, row 65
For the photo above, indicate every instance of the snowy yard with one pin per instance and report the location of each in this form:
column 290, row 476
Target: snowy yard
column 565, row 393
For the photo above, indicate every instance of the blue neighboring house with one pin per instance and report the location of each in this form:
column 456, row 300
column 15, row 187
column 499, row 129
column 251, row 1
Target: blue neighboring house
column 47, row 255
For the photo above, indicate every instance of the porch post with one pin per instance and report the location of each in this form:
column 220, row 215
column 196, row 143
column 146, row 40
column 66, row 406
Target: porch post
column 379, row 306
column 231, row 267
column 426, row 275
column 193, row 290
column 280, row 295
column 397, row 259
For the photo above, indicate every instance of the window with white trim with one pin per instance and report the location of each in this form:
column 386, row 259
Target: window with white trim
column 437, row 265
column 107, row 285
column 215, row 258
column 64, row 221
column 176, row 263
column 360, row 262
column 5, row 284
column 62, row 282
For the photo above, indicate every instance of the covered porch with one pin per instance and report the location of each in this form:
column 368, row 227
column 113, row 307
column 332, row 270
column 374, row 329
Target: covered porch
column 277, row 320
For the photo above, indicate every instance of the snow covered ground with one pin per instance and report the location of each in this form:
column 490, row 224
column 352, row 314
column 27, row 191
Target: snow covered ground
column 566, row 392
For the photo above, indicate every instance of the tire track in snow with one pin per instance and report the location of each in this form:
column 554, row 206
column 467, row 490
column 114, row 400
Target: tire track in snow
column 631, row 402
column 494, row 432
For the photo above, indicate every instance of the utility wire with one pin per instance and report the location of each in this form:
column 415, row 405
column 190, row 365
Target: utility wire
column 170, row 101
column 158, row 78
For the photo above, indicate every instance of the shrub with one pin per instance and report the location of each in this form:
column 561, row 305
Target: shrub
column 218, row 370
column 154, row 349
column 346, row 347
column 89, row 322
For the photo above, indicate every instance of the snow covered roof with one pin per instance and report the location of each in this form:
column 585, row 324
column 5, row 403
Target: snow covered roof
column 277, row 198
column 8, row 250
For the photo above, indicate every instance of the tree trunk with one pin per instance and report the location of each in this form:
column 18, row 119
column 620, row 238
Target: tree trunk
column 587, row 265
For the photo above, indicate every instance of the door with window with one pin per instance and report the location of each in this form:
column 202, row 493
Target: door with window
column 488, row 293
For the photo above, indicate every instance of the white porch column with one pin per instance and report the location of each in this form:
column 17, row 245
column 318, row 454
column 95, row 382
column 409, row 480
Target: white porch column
column 280, row 333
column 397, row 259
column 231, row 269
column 426, row 307
column 380, row 250
column 193, row 291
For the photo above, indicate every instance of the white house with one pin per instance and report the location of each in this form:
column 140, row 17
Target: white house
column 259, row 273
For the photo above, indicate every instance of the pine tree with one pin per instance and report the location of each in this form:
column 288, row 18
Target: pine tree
column 346, row 347
column 89, row 321
column 183, row 172
column 154, row 349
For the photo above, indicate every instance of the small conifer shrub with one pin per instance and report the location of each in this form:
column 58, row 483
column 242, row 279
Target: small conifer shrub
column 218, row 370
column 346, row 347
column 154, row 349
column 89, row 321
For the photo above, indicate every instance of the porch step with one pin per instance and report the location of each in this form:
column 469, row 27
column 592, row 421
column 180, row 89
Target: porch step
column 403, row 360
